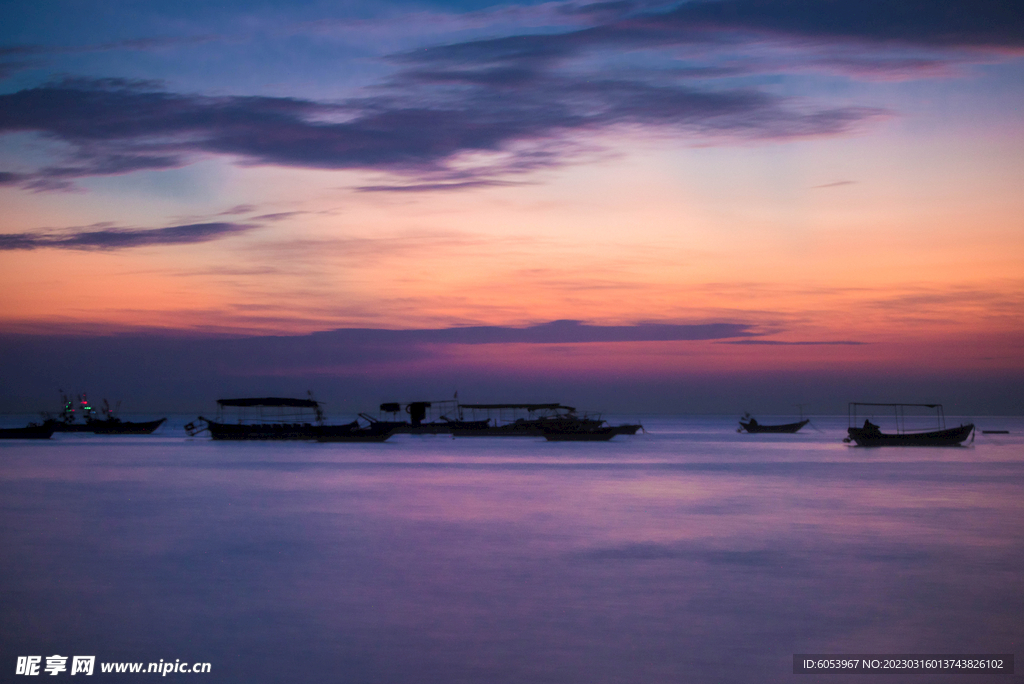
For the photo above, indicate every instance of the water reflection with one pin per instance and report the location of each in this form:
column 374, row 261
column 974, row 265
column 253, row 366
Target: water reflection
column 691, row 554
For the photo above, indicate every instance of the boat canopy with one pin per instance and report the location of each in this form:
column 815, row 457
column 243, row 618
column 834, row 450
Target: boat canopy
column 270, row 401
column 862, row 403
column 900, row 414
column 528, row 407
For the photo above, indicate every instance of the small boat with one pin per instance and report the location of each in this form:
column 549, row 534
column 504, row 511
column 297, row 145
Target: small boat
column 30, row 431
column 750, row 425
column 871, row 435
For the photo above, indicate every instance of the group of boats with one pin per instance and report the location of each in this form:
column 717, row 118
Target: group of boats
column 80, row 416
column 870, row 435
column 282, row 418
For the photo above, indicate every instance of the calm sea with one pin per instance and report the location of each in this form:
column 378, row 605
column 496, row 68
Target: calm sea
column 687, row 554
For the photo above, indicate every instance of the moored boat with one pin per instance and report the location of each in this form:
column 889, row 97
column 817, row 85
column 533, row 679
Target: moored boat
column 281, row 418
column 871, row 435
column 750, row 425
column 262, row 418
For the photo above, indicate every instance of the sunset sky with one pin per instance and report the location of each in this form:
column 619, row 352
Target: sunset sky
column 718, row 205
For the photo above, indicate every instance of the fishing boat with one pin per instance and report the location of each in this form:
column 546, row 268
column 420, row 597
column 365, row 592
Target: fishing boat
column 108, row 425
column 750, row 425
column 42, row 430
column 870, row 435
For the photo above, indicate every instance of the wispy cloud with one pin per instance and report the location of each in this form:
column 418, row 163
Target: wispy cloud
column 476, row 113
column 797, row 344
column 118, row 127
column 833, row 185
column 104, row 238
column 430, row 187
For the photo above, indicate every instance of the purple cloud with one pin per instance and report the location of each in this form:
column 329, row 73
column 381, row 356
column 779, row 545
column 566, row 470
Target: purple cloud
column 119, row 126
column 122, row 238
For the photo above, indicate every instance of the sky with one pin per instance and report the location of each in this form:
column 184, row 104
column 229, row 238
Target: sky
column 685, row 207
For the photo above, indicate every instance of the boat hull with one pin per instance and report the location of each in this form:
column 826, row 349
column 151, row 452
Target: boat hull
column 44, row 431
column 260, row 431
column 517, row 429
column 600, row 434
column 627, row 429
column 72, row 427
column 442, row 427
column 375, row 432
column 787, row 428
column 872, row 438
column 121, row 427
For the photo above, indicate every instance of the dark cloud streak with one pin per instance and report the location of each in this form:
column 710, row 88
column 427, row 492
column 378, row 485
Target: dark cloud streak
column 524, row 100
column 119, row 126
column 122, row 238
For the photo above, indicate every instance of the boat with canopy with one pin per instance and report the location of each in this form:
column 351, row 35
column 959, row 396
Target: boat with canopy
column 908, row 420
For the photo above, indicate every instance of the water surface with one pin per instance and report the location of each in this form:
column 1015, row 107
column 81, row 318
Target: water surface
column 689, row 554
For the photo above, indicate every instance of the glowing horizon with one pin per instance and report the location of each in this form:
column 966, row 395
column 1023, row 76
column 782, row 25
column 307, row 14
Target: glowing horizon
column 799, row 170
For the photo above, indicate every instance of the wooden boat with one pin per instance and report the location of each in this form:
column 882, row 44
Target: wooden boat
column 871, row 435
column 30, row 431
column 750, row 425
column 262, row 418
column 282, row 418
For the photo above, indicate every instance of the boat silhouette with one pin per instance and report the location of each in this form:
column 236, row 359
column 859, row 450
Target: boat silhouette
column 42, row 430
column 281, row 418
column 750, row 425
column 108, row 425
column 871, row 435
